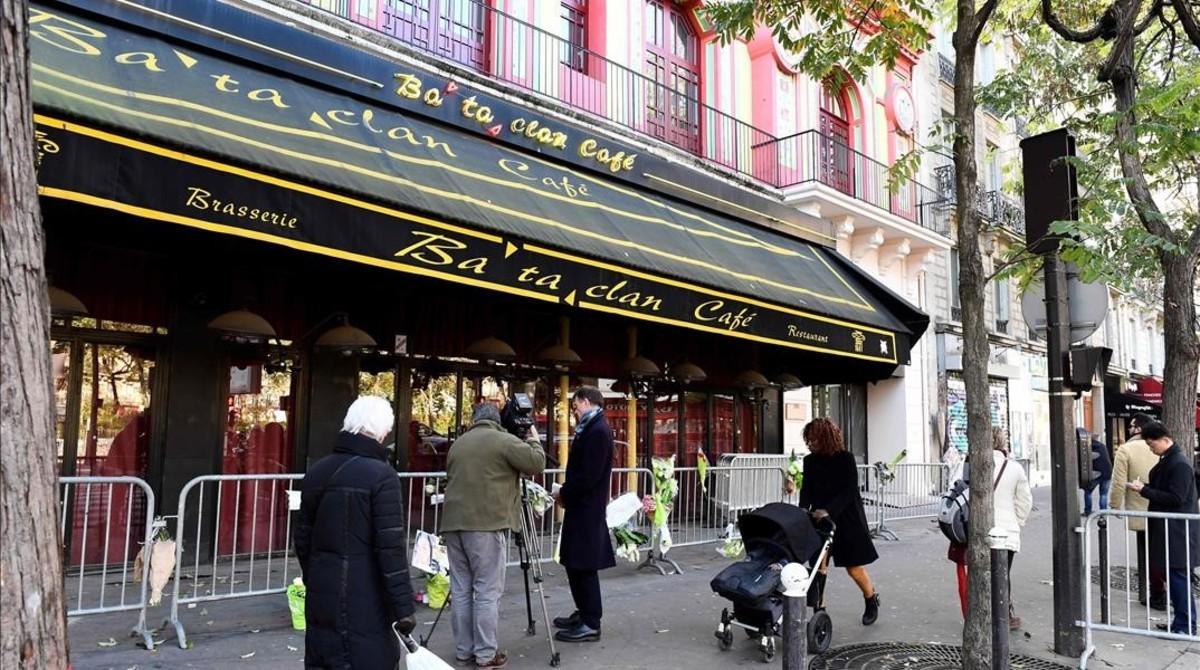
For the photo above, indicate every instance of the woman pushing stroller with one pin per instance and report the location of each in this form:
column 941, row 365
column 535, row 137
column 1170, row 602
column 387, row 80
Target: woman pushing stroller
column 830, row 489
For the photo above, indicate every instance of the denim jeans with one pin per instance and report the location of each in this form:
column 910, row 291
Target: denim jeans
column 477, row 561
column 1180, row 589
column 1087, row 495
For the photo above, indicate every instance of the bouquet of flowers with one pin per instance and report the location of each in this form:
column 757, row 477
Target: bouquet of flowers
column 702, row 470
column 628, row 541
column 665, row 490
column 539, row 498
column 887, row 471
column 794, row 478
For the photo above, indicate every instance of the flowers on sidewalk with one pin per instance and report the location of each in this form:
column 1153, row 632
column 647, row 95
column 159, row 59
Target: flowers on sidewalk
column 628, row 541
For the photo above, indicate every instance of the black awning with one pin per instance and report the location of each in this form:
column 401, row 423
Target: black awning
column 171, row 133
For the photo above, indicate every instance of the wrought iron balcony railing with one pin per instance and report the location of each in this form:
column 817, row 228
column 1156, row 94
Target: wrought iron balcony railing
column 996, row 207
column 474, row 35
column 946, row 69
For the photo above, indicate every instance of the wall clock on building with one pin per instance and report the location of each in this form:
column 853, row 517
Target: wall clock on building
column 903, row 110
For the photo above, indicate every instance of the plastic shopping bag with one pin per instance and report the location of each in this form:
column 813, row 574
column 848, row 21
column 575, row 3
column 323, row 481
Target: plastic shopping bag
column 417, row 657
column 622, row 509
column 296, row 594
column 437, row 590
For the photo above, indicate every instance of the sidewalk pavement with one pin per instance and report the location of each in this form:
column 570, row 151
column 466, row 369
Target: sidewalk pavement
column 652, row 621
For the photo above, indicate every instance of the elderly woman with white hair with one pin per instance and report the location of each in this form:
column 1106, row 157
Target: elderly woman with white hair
column 350, row 539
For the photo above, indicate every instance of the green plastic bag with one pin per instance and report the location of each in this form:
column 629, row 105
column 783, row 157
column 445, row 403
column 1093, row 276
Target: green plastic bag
column 295, row 595
column 437, row 590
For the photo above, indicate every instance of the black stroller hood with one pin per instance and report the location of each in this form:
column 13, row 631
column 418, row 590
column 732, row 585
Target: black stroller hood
column 781, row 525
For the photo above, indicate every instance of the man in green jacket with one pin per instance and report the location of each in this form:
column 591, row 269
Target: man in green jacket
column 483, row 496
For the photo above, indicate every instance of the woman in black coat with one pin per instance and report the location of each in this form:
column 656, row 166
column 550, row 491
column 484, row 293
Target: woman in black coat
column 830, row 489
column 1174, row 543
column 585, row 548
column 350, row 539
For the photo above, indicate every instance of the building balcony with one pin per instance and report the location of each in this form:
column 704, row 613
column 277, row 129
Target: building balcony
column 946, row 69
column 474, row 36
column 997, row 208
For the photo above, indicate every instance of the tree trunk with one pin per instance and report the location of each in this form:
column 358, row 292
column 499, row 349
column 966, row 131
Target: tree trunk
column 1182, row 346
column 1182, row 350
column 33, row 631
column 977, row 645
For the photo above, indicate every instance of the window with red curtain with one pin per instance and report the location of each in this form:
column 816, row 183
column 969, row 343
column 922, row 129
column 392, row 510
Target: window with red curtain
column 748, row 415
column 673, row 63
column 573, row 27
column 695, row 427
column 837, row 165
column 666, row 425
column 723, row 427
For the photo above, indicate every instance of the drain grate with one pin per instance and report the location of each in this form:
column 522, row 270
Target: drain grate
column 904, row 656
column 1119, row 579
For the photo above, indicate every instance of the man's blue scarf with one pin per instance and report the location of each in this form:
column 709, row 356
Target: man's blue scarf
column 587, row 418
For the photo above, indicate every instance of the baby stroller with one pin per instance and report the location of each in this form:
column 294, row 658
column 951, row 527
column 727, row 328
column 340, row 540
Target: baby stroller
column 774, row 535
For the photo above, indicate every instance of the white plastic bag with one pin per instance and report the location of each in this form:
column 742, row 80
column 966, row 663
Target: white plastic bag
column 429, row 554
column 622, row 509
column 417, row 657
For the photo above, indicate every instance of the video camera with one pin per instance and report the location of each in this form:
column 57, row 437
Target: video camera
column 517, row 415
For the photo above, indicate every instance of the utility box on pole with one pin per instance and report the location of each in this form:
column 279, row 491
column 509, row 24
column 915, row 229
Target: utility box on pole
column 1051, row 194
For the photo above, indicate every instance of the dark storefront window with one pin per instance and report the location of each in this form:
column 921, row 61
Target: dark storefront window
column 257, row 441
column 724, row 441
column 749, row 424
column 846, row 405
column 666, row 425
column 104, row 384
column 695, row 427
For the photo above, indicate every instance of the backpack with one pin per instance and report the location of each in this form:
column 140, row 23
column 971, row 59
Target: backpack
column 956, row 506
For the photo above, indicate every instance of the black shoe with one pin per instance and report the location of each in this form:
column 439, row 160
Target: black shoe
column 871, row 614
column 580, row 633
column 568, row 622
column 1158, row 603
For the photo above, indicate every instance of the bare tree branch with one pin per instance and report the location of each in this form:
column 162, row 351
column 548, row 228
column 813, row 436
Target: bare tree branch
column 1082, row 37
column 1187, row 17
column 981, row 18
column 1155, row 11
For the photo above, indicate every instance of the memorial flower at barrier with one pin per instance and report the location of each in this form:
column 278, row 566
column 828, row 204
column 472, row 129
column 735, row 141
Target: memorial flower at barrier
column 702, row 470
column 794, row 478
column 887, row 471
column 628, row 540
column 539, row 498
column 665, row 490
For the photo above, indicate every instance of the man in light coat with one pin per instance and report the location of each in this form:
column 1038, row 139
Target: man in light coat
column 1133, row 462
column 1011, row 503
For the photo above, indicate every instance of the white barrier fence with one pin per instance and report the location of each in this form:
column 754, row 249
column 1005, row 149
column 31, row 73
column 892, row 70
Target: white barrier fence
column 233, row 533
column 1119, row 596
column 233, row 540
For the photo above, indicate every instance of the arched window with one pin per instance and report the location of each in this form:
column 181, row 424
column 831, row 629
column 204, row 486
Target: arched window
column 837, row 157
column 673, row 65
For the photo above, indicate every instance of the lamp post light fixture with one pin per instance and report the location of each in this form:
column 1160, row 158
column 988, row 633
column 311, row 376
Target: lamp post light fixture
column 686, row 372
column 490, row 349
column 558, row 356
column 65, row 304
column 243, row 327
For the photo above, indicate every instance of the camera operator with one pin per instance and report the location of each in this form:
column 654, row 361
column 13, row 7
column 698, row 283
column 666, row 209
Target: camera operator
column 482, row 498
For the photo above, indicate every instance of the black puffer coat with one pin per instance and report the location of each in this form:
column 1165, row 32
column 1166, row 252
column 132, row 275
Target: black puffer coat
column 350, row 542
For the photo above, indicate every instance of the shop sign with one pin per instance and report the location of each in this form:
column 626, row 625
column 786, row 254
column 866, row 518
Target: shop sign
column 204, row 194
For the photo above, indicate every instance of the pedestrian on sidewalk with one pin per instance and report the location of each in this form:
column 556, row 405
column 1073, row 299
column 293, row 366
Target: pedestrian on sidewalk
column 1102, row 464
column 830, row 489
column 350, row 541
column 483, row 498
column 586, row 548
column 1174, row 543
column 1011, row 503
column 1133, row 462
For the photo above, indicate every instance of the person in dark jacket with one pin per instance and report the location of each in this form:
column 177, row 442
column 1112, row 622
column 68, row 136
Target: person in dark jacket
column 1174, row 543
column 350, row 539
column 1102, row 464
column 830, row 489
column 586, row 548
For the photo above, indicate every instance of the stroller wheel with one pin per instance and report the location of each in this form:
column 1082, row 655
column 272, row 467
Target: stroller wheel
column 820, row 632
column 725, row 640
column 768, row 650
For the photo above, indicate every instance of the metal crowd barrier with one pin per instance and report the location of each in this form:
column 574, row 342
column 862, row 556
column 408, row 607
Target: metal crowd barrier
column 233, row 539
column 104, row 523
column 1107, row 535
column 911, row 491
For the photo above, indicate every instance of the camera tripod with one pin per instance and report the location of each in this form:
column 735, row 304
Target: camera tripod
column 530, row 555
column 529, row 551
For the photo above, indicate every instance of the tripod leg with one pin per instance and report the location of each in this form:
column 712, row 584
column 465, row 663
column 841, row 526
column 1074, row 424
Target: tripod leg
column 523, row 553
column 533, row 553
column 445, row 606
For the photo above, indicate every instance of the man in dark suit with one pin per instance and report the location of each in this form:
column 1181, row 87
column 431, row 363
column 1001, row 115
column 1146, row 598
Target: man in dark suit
column 1174, row 543
column 586, row 548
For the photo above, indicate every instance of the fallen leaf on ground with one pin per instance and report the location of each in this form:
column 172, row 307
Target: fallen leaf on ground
column 291, row 648
column 250, row 655
column 110, row 642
